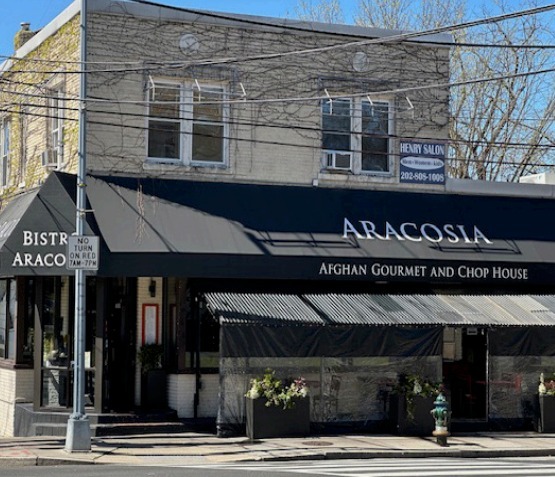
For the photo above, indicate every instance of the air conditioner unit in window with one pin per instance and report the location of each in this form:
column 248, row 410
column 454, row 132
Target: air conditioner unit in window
column 341, row 160
column 49, row 158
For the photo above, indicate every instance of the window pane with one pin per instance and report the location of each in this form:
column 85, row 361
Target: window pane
column 163, row 139
column 4, row 152
column 375, row 131
column 4, row 171
column 166, row 101
column 5, row 138
column 212, row 112
column 336, row 124
column 336, row 115
column 336, row 142
column 375, row 118
column 375, row 154
column 208, row 143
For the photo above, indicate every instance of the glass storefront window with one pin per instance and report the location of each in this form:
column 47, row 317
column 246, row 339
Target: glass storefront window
column 11, row 316
column 206, row 339
column 55, row 343
column 55, row 336
column 29, row 321
column 3, row 317
column 8, row 314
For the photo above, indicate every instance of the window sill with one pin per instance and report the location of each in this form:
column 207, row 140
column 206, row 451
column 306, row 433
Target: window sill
column 160, row 166
column 331, row 174
column 11, row 364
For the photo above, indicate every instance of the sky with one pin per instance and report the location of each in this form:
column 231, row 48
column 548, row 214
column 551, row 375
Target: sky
column 40, row 12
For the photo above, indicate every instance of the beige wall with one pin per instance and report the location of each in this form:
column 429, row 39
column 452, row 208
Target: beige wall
column 181, row 395
column 15, row 386
column 258, row 152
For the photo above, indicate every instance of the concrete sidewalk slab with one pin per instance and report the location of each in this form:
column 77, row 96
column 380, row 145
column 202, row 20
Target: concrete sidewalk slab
column 196, row 448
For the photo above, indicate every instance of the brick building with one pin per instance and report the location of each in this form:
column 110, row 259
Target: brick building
column 244, row 174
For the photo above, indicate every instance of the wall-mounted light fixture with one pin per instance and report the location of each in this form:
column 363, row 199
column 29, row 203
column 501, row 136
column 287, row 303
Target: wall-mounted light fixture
column 152, row 288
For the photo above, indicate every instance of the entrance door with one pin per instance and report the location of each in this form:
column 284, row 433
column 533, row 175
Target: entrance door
column 465, row 372
column 54, row 303
column 119, row 356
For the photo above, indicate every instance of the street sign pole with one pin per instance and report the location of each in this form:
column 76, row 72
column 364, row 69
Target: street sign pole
column 78, row 438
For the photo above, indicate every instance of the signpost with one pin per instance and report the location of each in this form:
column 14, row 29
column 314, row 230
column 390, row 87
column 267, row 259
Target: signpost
column 78, row 436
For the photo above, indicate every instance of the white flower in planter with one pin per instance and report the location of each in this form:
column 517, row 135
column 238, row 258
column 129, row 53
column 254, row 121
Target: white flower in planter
column 417, row 389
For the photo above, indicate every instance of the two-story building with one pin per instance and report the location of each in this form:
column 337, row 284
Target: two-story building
column 267, row 193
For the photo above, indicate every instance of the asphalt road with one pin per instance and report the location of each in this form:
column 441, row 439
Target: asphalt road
column 132, row 471
column 424, row 467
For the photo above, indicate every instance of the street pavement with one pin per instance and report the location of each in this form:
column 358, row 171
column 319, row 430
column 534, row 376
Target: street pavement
column 193, row 448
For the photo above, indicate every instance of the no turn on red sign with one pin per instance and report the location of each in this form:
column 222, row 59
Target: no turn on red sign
column 82, row 252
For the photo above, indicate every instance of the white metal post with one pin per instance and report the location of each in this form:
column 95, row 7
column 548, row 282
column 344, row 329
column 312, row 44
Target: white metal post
column 78, row 438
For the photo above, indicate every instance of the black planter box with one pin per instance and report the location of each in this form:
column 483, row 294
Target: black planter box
column 546, row 422
column 274, row 421
column 423, row 423
column 154, row 389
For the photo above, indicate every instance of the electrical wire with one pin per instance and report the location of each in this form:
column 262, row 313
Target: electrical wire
column 319, row 98
column 503, row 144
column 382, row 40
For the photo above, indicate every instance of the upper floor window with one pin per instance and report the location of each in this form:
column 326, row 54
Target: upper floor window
column 187, row 123
column 355, row 135
column 53, row 154
column 4, row 151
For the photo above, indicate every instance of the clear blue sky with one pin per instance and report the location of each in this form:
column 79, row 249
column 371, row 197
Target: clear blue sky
column 40, row 12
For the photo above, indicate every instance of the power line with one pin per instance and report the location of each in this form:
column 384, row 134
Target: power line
column 382, row 40
column 304, row 146
column 445, row 85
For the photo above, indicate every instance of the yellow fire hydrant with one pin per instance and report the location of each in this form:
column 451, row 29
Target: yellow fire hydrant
column 440, row 414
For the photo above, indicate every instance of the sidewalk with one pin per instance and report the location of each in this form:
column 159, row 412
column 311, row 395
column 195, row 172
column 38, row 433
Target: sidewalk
column 195, row 448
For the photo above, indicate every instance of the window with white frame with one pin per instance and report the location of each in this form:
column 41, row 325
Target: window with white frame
column 55, row 129
column 187, row 123
column 356, row 135
column 4, row 151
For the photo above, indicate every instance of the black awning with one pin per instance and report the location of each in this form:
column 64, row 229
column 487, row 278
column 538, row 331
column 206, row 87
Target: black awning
column 223, row 230
column 34, row 228
column 363, row 309
column 162, row 227
column 342, row 325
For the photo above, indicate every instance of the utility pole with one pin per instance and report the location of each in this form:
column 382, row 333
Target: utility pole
column 78, row 438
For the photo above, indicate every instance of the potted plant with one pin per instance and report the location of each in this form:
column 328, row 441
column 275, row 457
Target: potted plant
column 275, row 408
column 546, row 397
column 411, row 401
column 153, row 377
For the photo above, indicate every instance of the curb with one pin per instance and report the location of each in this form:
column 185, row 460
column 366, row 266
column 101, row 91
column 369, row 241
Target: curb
column 13, row 462
column 49, row 461
column 411, row 454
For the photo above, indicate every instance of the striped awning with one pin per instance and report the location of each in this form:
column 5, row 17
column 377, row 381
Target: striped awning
column 376, row 310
